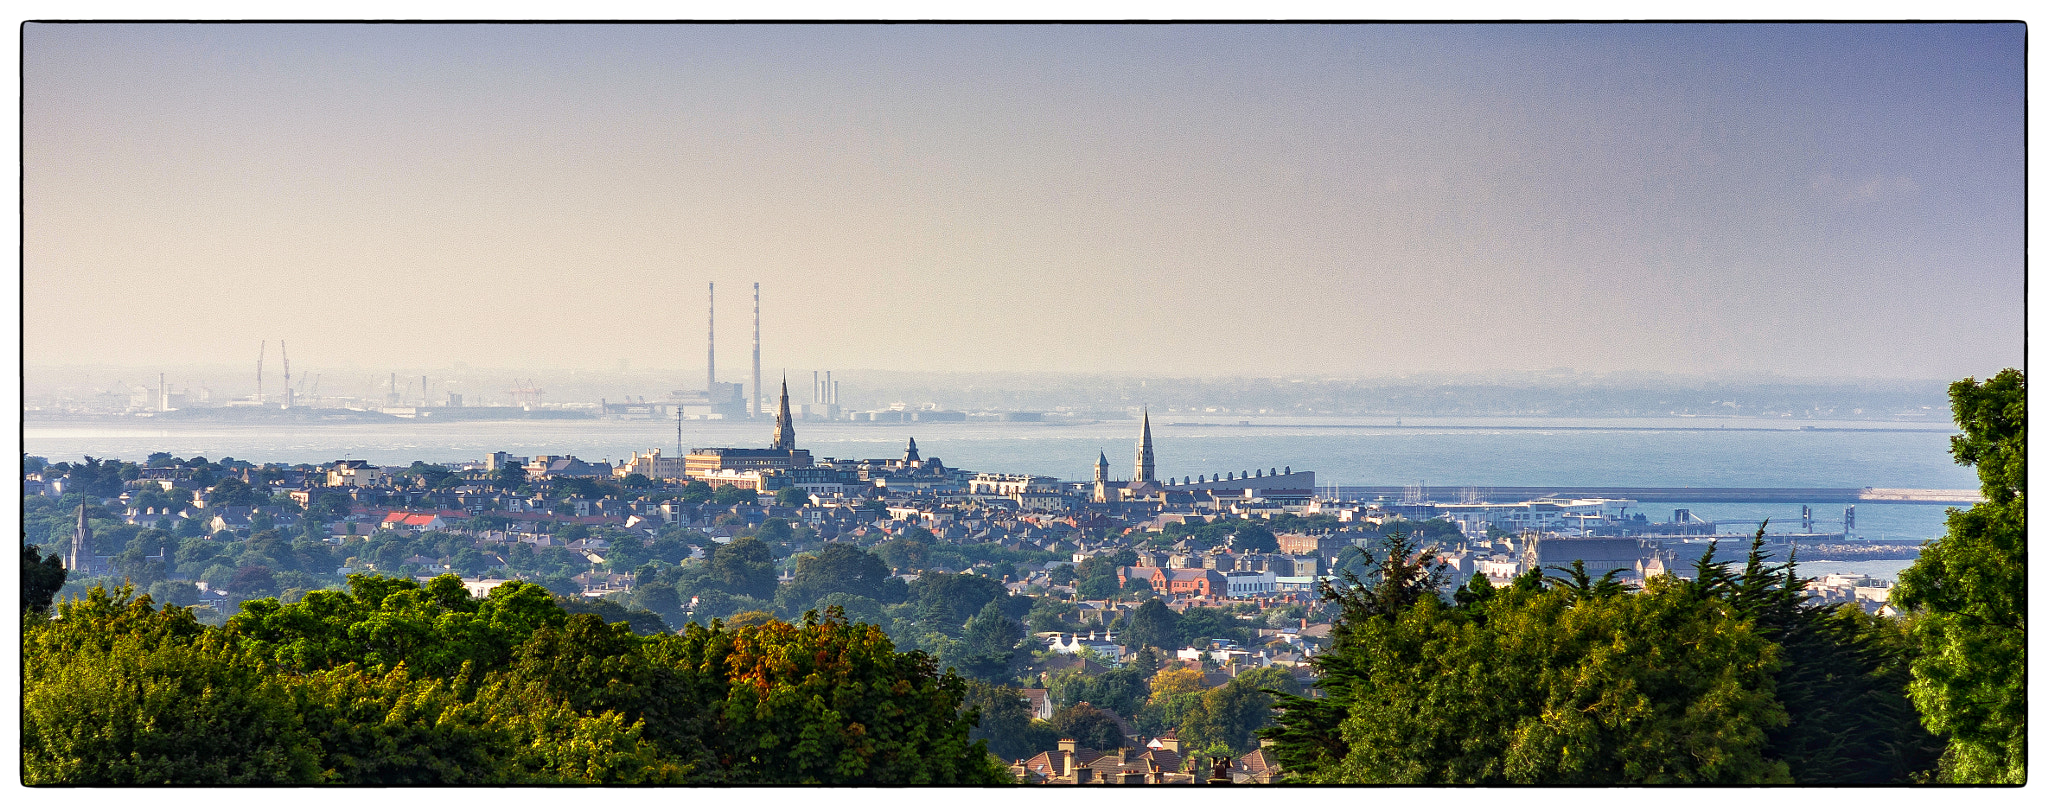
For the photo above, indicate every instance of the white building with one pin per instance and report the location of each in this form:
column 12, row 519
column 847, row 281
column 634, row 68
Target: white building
column 1069, row 643
column 1569, row 516
column 1250, row 584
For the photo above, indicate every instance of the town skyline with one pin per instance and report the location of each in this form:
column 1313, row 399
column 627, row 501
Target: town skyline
column 1809, row 201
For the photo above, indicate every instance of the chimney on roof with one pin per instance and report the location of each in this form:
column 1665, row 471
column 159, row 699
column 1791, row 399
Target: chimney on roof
column 1069, row 746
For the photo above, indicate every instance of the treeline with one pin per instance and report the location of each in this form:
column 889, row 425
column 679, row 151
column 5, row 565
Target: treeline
column 1735, row 676
column 394, row 683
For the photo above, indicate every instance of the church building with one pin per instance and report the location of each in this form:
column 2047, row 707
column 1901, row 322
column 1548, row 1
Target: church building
column 745, row 467
column 1143, row 486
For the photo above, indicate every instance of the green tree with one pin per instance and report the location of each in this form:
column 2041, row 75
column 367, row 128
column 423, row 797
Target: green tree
column 174, row 592
column 1152, row 625
column 1097, row 574
column 829, row 702
column 1050, row 615
column 1254, row 538
column 745, row 567
column 115, row 692
column 903, row 554
column 946, row 601
column 1005, row 721
column 1121, row 691
column 41, row 578
column 728, row 495
column 844, row 568
column 509, row 477
column 1211, row 623
column 856, row 607
column 696, row 491
column 992, row 645
column 1567, row 685
column 1553, row 689
column 1968, row 598
column 1088, row 726
column 793, row 497
column 231, row 492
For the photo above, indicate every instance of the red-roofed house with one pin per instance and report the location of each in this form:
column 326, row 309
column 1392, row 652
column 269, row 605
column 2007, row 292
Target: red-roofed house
column 417, row 522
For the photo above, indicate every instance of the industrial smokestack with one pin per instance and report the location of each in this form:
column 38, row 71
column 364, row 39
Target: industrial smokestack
column 754, row 403
column 261, row 347
column 831, row 392
column 163, row 397
column 711, row 340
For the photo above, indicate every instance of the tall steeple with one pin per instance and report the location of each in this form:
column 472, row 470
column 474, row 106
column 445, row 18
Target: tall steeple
column 1145, row 452
column 1101, row 468
column 785, row 430
column 80, row 555
column 910, row 454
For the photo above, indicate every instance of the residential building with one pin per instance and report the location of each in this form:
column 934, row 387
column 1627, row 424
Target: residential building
column 354, row 473
column 651, row 465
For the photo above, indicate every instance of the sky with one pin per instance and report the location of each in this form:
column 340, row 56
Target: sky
column 1800, row 200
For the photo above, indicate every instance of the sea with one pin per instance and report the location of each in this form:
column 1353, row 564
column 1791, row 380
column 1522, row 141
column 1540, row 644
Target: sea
column 1443, row 454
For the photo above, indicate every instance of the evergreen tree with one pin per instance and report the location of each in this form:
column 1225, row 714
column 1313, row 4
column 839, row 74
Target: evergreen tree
column 991, row 645
column 41, row 578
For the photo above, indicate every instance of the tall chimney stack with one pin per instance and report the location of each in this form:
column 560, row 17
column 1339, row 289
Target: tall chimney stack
column 754, row 402
column 711, row 340
column 261, row 347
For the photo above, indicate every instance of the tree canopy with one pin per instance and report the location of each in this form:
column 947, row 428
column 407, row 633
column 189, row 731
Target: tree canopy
column 394, row 682
column 1968, row 597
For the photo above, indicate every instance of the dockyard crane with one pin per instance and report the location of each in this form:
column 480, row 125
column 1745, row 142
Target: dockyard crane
column 287, row 373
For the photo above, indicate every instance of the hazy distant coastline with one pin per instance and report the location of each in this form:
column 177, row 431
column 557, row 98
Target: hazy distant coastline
column 74, row 391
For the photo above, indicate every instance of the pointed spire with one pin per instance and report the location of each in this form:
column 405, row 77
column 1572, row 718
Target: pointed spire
column 1145, row 461
column 910, row 454
column 785, row 427
column 81, row 544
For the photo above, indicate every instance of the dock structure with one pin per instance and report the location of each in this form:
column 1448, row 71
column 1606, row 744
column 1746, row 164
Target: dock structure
column 1787, row 495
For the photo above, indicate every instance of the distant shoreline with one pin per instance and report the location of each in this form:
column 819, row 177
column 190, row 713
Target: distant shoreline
column 271, row 416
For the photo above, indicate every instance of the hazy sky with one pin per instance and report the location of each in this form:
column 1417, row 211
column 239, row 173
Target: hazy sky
column 1801, row 199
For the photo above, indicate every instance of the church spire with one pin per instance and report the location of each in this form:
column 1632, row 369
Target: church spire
column 81, row 545
column 785, row 430
column 910, row 454
column 1101, row 468
column 1145, row 465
